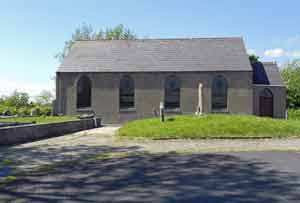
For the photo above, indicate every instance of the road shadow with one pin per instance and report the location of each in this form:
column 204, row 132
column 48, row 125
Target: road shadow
column 169, row 177
column 28, row 157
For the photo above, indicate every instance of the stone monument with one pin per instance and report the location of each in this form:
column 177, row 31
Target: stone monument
column 199, row 111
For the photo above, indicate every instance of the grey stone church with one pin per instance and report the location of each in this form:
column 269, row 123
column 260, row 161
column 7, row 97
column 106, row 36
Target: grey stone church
column 121, row 80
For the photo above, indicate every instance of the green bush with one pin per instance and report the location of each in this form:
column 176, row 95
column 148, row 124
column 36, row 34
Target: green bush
column 12, row 110
column 2, row 109
column 24, row 111
column 294, row 114
column 46, row 111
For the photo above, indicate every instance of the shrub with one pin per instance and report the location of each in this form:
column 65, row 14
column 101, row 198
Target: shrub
column 11, row 110
column 46, row 111
column 2, row 109
column 294, row 114
column 24, row 111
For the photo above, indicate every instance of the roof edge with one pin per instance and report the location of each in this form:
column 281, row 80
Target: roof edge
column 146, row 39
column 269, row 62
column 266, row 85
column 58, row 71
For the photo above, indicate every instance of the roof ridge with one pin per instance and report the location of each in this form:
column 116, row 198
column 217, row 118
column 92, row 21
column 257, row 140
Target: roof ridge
column 154, row 39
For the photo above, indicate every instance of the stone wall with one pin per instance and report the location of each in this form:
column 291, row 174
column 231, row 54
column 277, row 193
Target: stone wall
column 149, row 92
column 29, row 133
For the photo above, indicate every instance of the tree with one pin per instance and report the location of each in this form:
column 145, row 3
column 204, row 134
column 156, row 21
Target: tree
column 86, row 32
column 17, row 99
column 45, row 98
column 291, row 76
column 1, row 100
column 253, row 58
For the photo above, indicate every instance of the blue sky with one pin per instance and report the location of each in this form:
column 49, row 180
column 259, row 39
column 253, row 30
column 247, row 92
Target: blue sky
column 33, row 31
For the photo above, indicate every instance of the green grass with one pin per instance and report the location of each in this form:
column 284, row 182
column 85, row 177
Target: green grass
column 40, row 120
column 211, row 126
column 294, row 114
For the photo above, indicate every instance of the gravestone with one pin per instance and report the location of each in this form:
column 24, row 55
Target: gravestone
column 35, row 112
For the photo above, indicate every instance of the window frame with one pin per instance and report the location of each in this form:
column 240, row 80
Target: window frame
column 222, row 107
column 169, row 105
column 86, row 86
column 131, row 94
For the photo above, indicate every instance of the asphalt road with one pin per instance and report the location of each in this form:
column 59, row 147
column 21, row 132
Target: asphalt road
column 264, row 177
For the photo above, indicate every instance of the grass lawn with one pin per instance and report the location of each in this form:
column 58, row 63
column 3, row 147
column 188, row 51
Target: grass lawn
column 211, row 126
column 49, row 119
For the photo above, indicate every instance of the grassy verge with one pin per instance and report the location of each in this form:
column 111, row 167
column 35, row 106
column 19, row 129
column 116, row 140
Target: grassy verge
column 49, row 119
column 211, row 126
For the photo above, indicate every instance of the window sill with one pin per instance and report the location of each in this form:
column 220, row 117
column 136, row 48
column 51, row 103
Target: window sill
column 129, row 110
column 220, row 111
column 176, row 110
column 86, row 109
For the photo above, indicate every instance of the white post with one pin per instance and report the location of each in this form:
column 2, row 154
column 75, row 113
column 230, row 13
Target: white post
column 200, row 103
column 161, row 111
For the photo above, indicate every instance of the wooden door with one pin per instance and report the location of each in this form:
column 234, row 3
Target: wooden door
column 266, row 103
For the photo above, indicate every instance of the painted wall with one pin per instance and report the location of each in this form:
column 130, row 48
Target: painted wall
column 149, row 92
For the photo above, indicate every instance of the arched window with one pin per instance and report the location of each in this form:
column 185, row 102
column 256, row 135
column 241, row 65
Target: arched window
column 266, row 93
column 84, row 92
column 172, row 93
column 126, row 92
column 266, row 103
column 219, row 94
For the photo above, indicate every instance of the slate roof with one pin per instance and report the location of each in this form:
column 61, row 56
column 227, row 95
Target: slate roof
column 267, row 73
column 157, row 55
column 273, row 73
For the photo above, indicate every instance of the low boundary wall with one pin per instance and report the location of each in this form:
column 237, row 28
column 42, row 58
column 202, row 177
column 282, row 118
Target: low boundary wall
column 23, row 134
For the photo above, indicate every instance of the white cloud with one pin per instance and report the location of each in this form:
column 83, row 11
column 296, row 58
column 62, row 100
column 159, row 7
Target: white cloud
column 275, row 53
column 293, row 54
column 294, row 40
column 251, row 51
column 7, row 87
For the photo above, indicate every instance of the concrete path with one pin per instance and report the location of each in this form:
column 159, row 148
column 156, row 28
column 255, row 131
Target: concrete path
column 75, row 146
column 95, row 142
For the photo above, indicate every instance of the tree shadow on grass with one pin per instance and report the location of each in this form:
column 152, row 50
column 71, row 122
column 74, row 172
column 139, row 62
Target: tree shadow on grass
column 169, row 177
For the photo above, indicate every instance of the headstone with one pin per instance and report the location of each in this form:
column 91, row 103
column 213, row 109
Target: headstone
column 35, row 112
